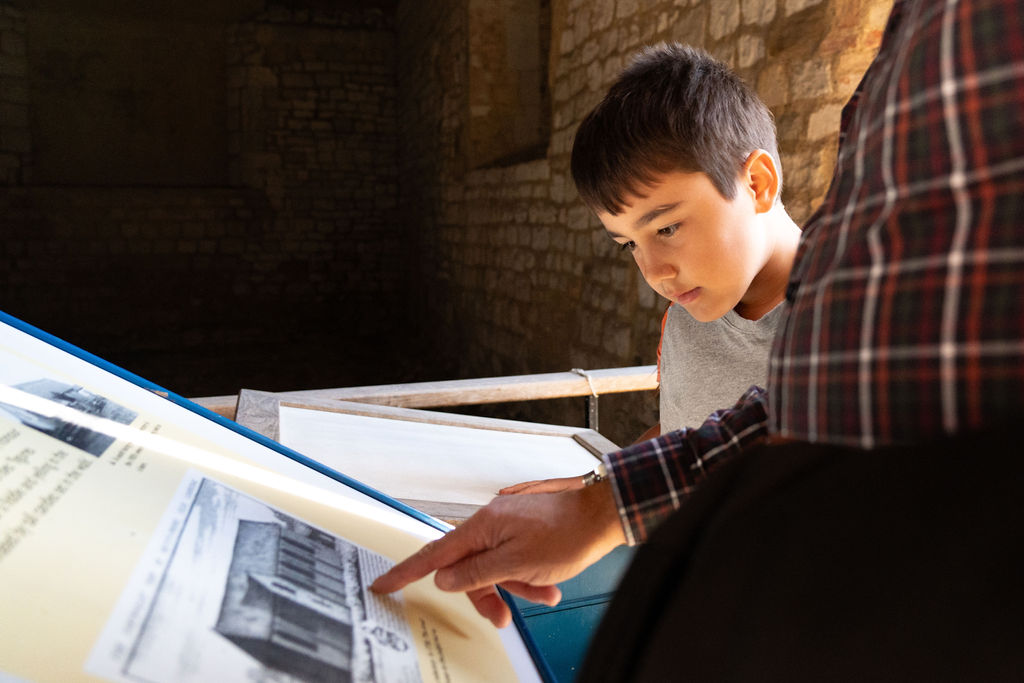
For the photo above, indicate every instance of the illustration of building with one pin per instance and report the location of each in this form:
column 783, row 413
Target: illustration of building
column 285, row 604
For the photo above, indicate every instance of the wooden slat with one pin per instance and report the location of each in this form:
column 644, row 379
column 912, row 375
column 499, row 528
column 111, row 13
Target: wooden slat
column 449, row 513
column 472, row 391
column 225, row 406
column 493, row 389
column 595, row 442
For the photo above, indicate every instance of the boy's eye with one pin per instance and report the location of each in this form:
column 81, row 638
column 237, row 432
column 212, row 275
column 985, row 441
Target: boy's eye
column 627, row 246
column 668, row 230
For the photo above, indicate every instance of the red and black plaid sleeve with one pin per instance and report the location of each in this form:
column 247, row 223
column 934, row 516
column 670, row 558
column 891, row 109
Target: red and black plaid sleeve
column 651, row 478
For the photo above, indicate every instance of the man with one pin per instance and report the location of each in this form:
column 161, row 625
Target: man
column 906, row 309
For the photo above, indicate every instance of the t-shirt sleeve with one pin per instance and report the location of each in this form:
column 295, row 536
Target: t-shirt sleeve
column 651, row 479
column 661, row 340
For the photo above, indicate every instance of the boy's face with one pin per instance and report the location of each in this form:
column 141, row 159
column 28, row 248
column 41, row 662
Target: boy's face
column 693, row 246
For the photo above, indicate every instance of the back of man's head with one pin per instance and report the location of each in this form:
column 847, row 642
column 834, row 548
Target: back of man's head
column 674, row 108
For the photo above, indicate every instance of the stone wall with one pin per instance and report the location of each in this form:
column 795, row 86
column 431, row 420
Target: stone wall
column 519, row 267
column 266, row 254
column 312, row 124
column 432, row 80
column 312, row 106
column 121, row 97
column 15, row 160
column 509, row 110
column 120, row 271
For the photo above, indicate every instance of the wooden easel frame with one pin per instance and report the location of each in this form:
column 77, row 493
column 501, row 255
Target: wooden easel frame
column 261, row 410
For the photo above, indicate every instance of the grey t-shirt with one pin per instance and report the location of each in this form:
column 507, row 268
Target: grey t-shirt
column 708, row 366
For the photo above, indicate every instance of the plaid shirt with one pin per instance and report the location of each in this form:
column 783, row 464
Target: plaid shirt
column 906, row 301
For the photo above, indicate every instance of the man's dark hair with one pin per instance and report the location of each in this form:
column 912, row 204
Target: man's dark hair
column 674, row 108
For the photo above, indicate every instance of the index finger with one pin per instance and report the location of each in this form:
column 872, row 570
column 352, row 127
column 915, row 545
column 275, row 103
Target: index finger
column 446, row 550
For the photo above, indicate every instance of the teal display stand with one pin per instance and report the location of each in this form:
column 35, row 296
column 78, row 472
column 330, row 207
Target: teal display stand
column 563, row 633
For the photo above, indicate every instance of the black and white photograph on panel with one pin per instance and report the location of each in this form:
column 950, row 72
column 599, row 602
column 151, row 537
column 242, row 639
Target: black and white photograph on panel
column 233, row 589
column 77, row 398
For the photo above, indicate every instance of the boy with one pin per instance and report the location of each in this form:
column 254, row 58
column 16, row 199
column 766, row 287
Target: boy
column 680, row 163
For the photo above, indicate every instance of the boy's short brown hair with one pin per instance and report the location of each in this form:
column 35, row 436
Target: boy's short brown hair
column 674, row 108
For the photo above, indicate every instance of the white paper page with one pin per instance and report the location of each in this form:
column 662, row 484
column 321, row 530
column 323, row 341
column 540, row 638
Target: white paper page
column 419, row 461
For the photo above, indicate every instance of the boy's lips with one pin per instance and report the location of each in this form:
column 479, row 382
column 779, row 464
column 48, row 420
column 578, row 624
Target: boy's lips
column 686, row 297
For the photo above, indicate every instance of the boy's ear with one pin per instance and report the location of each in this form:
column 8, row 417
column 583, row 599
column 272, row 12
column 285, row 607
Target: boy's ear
column 760, row 176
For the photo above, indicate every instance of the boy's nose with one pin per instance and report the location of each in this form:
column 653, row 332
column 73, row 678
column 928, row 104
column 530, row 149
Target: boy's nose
column 657, row 270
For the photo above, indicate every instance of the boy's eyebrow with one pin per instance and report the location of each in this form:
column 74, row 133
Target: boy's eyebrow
column 654, row 213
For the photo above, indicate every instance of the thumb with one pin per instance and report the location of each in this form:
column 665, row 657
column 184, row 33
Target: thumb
column 548, row 595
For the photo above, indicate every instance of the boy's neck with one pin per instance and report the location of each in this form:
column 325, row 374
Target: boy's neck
column 768, row 288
